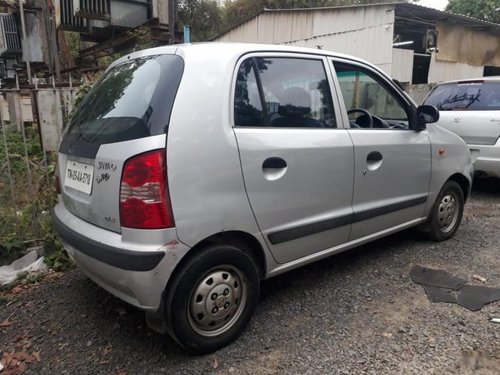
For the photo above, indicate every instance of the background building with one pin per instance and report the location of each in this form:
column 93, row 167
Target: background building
column 413, row 44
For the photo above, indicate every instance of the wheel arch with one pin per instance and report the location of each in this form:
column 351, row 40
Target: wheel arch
column 463, row 182
column 242, row 240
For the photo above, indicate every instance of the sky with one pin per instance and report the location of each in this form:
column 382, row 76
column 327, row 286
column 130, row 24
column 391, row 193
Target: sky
column 437, row 4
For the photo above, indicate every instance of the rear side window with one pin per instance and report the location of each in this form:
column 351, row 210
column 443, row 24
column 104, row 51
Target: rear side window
column 466, row 96
column 132, row 100
column 283, row 92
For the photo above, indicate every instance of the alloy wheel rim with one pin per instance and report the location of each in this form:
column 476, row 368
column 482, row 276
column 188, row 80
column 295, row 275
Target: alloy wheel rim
column 448, row 212
column 217, row 301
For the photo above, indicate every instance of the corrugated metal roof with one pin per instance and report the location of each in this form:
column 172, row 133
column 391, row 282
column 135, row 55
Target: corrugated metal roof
column 419, row 11
column 404, row 9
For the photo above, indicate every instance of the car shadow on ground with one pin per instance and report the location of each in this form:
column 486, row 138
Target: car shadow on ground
column 338, row 265
column 124, row 323
column 486, row 185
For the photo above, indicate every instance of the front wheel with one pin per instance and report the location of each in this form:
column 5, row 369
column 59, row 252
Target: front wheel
column 447, row 212
column 212, row 298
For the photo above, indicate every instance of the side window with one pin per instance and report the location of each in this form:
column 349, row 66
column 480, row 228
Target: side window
column 295, row 93
column 369, row 103
column 247, row 104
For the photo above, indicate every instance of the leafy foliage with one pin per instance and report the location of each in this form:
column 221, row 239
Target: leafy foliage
column 488, row 10
column 205, row 17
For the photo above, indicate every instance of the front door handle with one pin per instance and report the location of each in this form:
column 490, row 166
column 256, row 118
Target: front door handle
column 373, row 161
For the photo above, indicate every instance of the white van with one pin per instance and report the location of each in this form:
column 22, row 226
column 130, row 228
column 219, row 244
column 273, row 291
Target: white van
column 471, row 109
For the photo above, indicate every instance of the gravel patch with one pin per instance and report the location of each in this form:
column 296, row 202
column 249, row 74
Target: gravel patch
column 354, row 313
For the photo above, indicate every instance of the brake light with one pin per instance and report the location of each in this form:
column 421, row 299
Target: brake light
column 144, row 197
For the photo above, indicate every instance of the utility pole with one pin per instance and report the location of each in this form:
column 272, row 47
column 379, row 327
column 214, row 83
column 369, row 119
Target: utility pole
column 172, row 17
column 51, row 39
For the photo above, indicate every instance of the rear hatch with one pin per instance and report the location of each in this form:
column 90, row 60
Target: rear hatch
column 470, row 109
column 125, row 114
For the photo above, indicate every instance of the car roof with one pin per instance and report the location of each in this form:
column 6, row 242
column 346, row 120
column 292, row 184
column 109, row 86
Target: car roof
column 229, row 50
column 472, row 80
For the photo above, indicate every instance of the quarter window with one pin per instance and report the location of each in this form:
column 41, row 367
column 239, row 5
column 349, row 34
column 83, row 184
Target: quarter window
column 283, row 92
column 369, row 103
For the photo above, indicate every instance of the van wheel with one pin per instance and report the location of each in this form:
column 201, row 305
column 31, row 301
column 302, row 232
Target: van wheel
column 212, row 298
column 447, row 212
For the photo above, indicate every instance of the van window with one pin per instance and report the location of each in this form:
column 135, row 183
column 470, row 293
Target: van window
column 132, row 100
column 283, row 92
column 466, row 96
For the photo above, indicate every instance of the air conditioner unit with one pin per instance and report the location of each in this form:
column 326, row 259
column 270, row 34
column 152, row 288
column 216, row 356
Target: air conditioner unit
column 430, row 41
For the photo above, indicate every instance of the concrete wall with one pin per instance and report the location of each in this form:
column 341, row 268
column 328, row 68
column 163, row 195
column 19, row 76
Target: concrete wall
column 440, row 71
column 54, row 107
column 15, row 108
column 463, row 44
column 419, row 92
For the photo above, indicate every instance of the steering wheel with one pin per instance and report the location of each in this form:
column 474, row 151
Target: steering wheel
column 365, row 112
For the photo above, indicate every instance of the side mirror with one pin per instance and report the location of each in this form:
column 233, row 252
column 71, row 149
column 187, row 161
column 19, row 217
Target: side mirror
column 426, row 114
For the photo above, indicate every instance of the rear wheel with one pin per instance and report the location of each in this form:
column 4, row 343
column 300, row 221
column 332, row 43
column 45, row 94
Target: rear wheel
column 447, row 212
column 212, row 298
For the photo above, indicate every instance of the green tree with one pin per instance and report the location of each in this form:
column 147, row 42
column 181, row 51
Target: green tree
column 203, row 16
column 488, row 10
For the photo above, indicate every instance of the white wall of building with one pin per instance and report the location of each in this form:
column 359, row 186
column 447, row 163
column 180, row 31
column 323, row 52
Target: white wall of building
column 402, row 65
column 364, row 32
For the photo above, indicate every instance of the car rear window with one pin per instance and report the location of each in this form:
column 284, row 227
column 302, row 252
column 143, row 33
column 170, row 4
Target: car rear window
column 466, row 96
column 132, row 100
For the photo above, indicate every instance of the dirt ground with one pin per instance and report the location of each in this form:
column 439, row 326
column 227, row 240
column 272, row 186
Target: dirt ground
column 354, row 313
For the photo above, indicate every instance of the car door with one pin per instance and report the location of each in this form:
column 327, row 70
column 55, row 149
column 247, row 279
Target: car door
column 392, row 162
column 297, row 163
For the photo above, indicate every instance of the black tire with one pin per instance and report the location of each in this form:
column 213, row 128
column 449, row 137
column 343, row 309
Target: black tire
column 446, row 213
column 204, row 315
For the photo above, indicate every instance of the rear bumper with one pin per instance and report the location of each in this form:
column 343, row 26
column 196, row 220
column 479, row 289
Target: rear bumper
column 486, row 159
column 136, row 273
column 128, row 260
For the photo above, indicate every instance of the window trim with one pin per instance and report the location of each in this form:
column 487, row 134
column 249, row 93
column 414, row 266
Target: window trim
column 291, row 55
column 388, row 84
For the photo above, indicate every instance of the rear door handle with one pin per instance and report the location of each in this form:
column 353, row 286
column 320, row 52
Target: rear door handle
column 274, row 168
column 274, row 163
column 374, row 156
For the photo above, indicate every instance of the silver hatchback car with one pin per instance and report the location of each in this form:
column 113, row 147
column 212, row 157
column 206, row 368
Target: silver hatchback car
column 189, row 173
column 471, row 109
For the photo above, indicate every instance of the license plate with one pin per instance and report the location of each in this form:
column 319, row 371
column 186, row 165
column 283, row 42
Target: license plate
column 79, row 176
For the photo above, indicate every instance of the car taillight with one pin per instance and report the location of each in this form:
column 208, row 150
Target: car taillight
column 144, row 197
